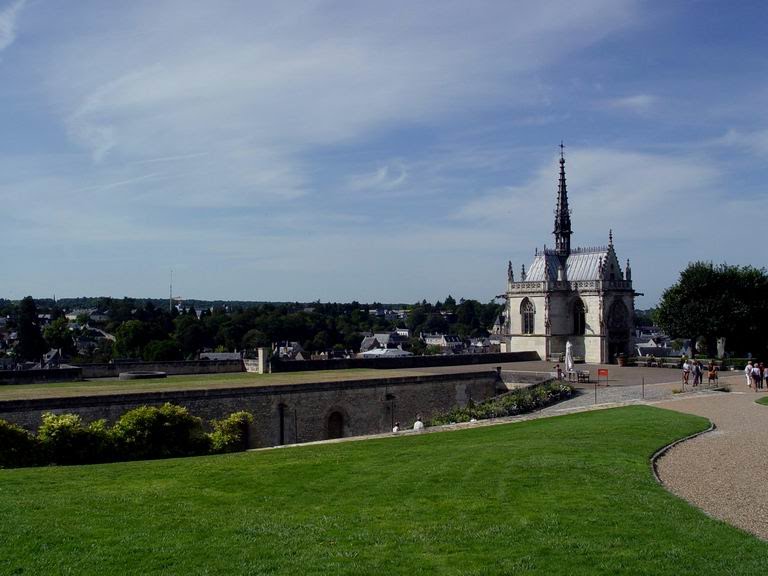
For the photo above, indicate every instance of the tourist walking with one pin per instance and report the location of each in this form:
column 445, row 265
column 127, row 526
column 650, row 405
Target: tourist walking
column 748, row 373
column 696, row 369
column 761, row 366
column 765, row 376
column 711, row 372
column 756, row 375
column 686, row 371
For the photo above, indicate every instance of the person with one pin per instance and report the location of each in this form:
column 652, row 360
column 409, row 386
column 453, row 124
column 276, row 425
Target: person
column 686, row 371
column 418, row 425
column 748, row 373
column 559, row 372
column 765, row 375
column 396, row 428
column 756, row 375
column 696, row 369
column 711, row 373
column 761, row 380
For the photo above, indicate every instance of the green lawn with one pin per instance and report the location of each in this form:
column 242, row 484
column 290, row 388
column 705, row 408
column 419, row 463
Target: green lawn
column 763, row 400
column 565, row 495
column 188, row 382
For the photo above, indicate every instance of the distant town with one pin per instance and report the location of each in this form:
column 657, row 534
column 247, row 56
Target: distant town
column 48, row 333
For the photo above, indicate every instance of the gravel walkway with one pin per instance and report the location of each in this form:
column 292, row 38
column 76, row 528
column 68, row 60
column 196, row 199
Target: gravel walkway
column 723, row 472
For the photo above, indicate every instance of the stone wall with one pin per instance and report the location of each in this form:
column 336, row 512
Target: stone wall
column 35, row 376
column 290, row 413
column 107, row 370
column 405, row 362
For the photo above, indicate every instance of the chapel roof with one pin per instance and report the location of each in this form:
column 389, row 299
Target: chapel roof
column 581, row 264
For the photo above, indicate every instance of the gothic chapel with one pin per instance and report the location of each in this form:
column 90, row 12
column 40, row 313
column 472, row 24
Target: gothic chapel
column 579, row 295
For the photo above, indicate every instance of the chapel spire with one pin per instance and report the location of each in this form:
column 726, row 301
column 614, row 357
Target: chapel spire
column 562, row 230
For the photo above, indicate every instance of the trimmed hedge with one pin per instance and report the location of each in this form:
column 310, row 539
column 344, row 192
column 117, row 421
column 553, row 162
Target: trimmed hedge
column 520, row 401
column 230, row 434
column 143, row 433
column 17, row 446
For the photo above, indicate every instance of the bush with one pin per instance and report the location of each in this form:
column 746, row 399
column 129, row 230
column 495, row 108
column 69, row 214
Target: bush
column 149, row 432
column 518, row 401
column 17, row 446
column 230, row 434
column 64, row 439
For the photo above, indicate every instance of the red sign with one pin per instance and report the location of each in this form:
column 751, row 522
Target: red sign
column 602, row 372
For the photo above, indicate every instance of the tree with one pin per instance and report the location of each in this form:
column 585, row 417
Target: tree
column 31, row 345
column 58, row 335
column 718, row 301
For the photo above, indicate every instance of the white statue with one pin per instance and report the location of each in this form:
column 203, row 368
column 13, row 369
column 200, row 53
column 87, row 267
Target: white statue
column 568, row 356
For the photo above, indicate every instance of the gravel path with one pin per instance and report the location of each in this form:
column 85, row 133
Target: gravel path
column 723, row 472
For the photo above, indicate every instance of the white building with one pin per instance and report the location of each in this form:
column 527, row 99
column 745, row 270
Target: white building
column 580, row 295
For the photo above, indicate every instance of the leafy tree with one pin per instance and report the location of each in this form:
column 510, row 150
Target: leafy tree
column 58, row 335
column 160, row 350
column 718, row 301
column 31, row 345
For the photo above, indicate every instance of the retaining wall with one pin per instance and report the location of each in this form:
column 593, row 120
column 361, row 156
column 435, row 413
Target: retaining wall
column 278, row 365
column 286, row 414
column 35, row 376
column 113, row 369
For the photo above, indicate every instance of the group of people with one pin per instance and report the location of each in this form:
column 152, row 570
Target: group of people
column 696, row 369
column 756, row 375
column 418, row 425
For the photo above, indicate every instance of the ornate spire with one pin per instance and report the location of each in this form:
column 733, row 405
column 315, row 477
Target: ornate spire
column 628, row 272
column 510, row 272
column 562, row 230
column 610, row 237
column 522, row 274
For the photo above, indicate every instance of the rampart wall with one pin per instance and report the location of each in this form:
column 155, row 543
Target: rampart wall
column 286, row 414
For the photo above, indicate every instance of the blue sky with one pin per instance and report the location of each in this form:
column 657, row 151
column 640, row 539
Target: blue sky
column 387, row 151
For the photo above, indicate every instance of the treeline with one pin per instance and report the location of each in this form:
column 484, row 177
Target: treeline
column 150, row 332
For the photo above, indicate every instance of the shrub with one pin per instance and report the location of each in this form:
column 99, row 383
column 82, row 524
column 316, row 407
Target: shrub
column 17, row 446
column 230, row 434
column 518, row 401
column 168, row 431
column 64, row 439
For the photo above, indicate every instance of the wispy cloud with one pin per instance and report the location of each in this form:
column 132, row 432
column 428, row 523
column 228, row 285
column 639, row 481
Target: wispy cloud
column 634, row 103
column 8, row 22
column 387, row 177
column 755, row 142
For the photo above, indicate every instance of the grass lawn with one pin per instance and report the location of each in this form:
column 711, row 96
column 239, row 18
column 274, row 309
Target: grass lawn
column 763, row 401
column 188, row 382
column 566, row 495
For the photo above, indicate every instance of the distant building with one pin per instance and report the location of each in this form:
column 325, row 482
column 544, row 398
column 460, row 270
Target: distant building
column 447, row 343
column 382, row 340
column 579, row 295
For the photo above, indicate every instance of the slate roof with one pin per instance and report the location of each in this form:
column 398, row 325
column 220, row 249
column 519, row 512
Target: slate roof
column 582, row 264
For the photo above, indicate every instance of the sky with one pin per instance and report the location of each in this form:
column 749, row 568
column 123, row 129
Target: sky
column 372, row 151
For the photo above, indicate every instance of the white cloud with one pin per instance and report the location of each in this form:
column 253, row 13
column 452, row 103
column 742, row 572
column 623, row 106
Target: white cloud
column 168, row 79
column 384, row 178
column 8, row 21
column 635, row 103
column 755, row 142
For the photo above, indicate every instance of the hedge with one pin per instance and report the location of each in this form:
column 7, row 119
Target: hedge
column 520, row 401
column 142, row 433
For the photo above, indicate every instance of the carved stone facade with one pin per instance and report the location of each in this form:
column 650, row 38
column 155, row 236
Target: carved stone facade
column 581, row 295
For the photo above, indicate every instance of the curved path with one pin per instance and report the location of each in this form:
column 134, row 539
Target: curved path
column 723, row 472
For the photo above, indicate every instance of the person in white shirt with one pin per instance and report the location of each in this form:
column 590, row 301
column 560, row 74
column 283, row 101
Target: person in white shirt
column 748, row 373
column 396, row 428
column 418, row 425
column 686, row 371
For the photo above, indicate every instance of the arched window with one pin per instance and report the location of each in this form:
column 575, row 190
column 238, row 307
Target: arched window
column 527, row 314
column 579, row 319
